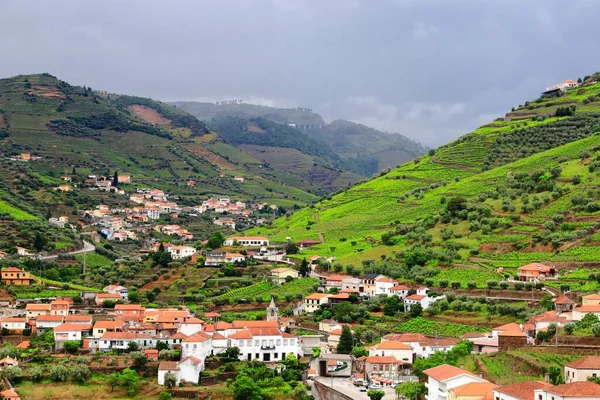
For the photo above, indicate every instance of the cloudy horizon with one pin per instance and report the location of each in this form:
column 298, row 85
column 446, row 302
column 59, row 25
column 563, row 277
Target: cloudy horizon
column 431, row 70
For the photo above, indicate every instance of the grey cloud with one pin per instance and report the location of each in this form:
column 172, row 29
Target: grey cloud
column 429, row 69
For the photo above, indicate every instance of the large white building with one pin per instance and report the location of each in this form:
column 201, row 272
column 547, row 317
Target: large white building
column 583, row 368
column 442, row 378
column 247, row 241
column 265, row 344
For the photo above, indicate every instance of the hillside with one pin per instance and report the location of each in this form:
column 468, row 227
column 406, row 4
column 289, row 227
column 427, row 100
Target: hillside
column 365, row 150
column 75, row 130
column 518, row 190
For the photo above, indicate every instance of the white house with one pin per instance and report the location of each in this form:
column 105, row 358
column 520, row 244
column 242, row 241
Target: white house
column 569, row 391
column 351, row 284
column 519, row 391
column 398, row 290
column 442, row 378
column 191, row 325
column 198, row 345
column 383, row 285
column 422, row 299
column 179, row 252
column 166, row 367
column 583, row 368
column 116, row 289
column 44, row 322
column 69, row 332
column 120, row 340
column 580, row 312
column 314, row 302
column 247, row 241
column 34, row 310
column 13, row 323
column 400, row 351
column 186, row 370
column 265, row 344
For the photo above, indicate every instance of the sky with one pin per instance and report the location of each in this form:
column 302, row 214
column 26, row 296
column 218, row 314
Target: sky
column 431, row 70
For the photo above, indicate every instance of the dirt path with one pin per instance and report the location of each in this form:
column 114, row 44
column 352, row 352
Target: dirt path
column 149, row 115
column 321, row 238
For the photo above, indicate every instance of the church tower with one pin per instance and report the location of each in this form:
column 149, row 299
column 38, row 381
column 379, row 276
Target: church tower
column 272, row 311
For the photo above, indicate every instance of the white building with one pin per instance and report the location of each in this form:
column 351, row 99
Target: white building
column 13, row 323
column 314, row 302
column 442, row 378
column 582, row 369
column 179, row 252
column 569, row 391
column 580, row 312
column 247, row 241
column 265, row 344
column 116, row 289
column 71, row 332
column 424, row 300
column 191, row 326
column 399, row 290
column 383, row 286
column 400, row 351
column 44, row 322
column 519, row 391
column 198, row 345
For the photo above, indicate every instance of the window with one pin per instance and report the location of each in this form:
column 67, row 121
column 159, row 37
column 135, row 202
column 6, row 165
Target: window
column 539, row 397
column 257, row 342
column 276, row 355
column 278, row 342
column 285, row 342
column 249, row 343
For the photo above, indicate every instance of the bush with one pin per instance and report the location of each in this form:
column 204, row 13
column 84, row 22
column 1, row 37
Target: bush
column 80, row 373
column 58, row 373
column 165, row 396
column 72, row 345
column 13, row 374
column 596, row 330
column 36, row 374
column 569, row 328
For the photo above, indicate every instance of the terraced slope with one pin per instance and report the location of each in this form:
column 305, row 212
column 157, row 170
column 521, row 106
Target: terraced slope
column 542, row 207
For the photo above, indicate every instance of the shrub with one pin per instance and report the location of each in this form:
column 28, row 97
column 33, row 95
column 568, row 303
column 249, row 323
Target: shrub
column 80, row 373
column 569, row 328
column 13, row 374
column 58, row 373
column 165, row 396
column 596, row 330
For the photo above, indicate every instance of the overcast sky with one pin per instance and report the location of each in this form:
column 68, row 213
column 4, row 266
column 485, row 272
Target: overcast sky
column 431, row 70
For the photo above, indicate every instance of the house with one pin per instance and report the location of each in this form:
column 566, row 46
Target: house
column 383, row 286
column 14, row 325
column 400, row 351
column 101, row 327
column 335, row 281
column 583, row 368
column 70, row 331
column 569, row 391
column 305, row 244
column 564, row 304
column 44, row 322
column 485, row 345
column 535, row 272
column 424, row 300
column 228, row 222
column 179, row 252
column 152, row 354
column 166, row 367
column 102, row 297
column 265, row 344
column 79, row 319
column 16, row 276
column 506, row 328
column 428, row 346
column 519, row 391
column 123, row 178
column 314, row 302
column 367, row 283
column 334, row 338
column 191, row 326
column 60, row 307
column 560, row 87
column 129, row 312
column 327, row 325
column 398, row 290
column 445, row 377
column 198, row 345
column 116, row 289
column 473, row 391
column 581, row 311
column 32, row 310
column 247, row 241
column 591, row 300
column 9, row 362
column 9, row 394
column 351, row 285
column 279, row 276
column 543, row 321
column 383, row 367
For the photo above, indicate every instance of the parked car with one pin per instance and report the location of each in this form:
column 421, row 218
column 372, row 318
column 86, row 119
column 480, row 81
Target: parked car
column 362, row 388
column 375, row 385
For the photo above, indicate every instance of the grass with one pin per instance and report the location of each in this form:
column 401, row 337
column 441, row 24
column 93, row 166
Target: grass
column 6, row 208
column 94, row 260
column 429, row 327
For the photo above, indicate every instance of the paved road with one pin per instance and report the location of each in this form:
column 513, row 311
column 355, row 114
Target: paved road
column 87, row 248
column 345, row 386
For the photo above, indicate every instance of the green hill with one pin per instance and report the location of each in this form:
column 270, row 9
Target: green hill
column 521, row 189
column 364, row 150
column 76, row 130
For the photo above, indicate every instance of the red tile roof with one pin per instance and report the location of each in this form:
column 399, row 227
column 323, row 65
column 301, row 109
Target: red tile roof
column 108, row 324
column 241, row 335
column 593, row 308
column 417, row 297
column 576, row 389
column 483, row 390
column 168, row 366
column 562, row 299
column 78, row 318
column 523, row 390
column 68, row 327
column 392, row 345
column 49, row 318
column 254, row 324
column 382, row 360
column 587, row 362
column 198, row 337
column 444, row 372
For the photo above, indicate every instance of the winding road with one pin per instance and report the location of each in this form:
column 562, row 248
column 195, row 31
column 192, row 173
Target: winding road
column 87, row 248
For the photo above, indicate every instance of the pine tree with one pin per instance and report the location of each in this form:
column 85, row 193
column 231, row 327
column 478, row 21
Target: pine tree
column 304, row 269
column 345, row 344
column 116, row 179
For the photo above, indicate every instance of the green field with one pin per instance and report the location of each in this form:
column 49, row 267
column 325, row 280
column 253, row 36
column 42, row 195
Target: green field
column 15, row 212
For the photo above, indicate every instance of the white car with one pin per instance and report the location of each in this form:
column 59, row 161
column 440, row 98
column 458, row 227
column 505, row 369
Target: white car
column 363, row 388
column 375, row 385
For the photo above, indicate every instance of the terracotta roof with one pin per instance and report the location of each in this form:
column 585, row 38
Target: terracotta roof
column 194, row 320
column 594, row 308
column 484, row 390
column 473, row 335
column 108, row 324
column 382, row 360
column 37, row 307
column 24, row 344
column 178, row 335
column 78, row 318
column 398, row 287
column 512, row 333
column 108, row 296
column 128, row 307
column 576, row 389
column 592, row 297
column 335, row 332
column 67, row 327
column 197, row 337
column 9, row 394
column 337, row 277
column 406, row 337
column 254, row 324
column 288, row 335
column 124, row 336
column 508, row 327
column 209, row 328
column 12, row 269
column 331, row 362
column 192, row 359
column 264, row 331
column 168, row 366
column 218, row 336
column 587, row 362
column 523, row 390
column 562, row 299
column 439, row 342
column 212, row 315
column 444, row 372
column 316, row 296
column 14, row 319
column 49, row 318
column 243, row 334
column 417, row 297
column 392, row 345
column 535, row 267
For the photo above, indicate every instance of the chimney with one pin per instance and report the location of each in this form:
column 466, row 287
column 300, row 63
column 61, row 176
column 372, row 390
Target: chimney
column 480, row 375
column 547, row 378
column 462, row 365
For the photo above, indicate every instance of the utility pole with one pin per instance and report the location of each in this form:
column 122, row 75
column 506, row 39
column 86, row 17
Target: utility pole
column 84, row 259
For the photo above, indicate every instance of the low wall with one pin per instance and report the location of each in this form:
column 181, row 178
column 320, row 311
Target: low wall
column 327, row 393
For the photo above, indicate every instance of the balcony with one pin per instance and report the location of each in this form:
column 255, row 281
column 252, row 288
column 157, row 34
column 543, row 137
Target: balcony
column 267, row 347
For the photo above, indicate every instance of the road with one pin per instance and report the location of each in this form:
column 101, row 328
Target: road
column 87, row 248
column 345, row 386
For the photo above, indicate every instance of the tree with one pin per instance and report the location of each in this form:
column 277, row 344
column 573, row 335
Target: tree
column 455, row 205
column 80, row 373
column 359, row 351
column 134, row 296
column 132, row 346
column 345, row 345
column 391, row 305
column 410, row 390
column 36, row 374
column 71, row 346
column 13, row 374
column 216, row 240
column 139, row 359
column 376, row 394
column 596, row 329
column 416, row 310
column 39, row 241
column 113, row 380
column 232, row 352
column 130, row 380
column 546, row 302
column 165, row 396
column 569, row 328
column 555, row 376
column 304, row 268
column 291, row 248
column 115, row 181
column 170, row 379
column 245, row 388
column 58, row 373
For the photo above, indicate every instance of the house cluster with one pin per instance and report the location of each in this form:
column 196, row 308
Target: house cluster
column 536, row 272
column 560, row 87
column 26, row 157
column 367, row 285
column 177, row 252
column 449, row 382
column 106, row 184
column 130, row 326
column 174, row 230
